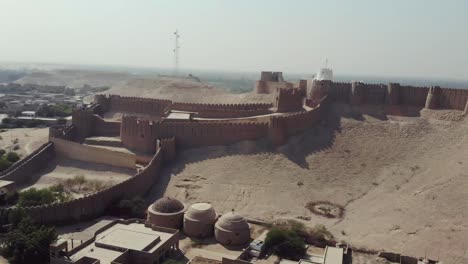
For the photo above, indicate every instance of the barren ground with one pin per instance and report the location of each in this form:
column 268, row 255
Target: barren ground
column 403, row 181
column 27, row 140
column 61, row 169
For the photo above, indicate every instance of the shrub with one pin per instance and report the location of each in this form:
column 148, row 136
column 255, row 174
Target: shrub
column 35, row 197
column 285, row 243
column 12, row 157
column 4, row 164
column 2, row 152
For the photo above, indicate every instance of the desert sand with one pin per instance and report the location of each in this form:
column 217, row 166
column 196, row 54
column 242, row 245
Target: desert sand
column 23, row 140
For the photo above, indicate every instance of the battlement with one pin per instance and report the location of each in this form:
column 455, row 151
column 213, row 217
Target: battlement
column 357, row 93
column 290, row 100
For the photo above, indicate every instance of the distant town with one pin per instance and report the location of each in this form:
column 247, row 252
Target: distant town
column 33, row 105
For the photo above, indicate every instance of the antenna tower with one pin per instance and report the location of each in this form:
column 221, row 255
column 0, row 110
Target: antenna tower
column 176, row 53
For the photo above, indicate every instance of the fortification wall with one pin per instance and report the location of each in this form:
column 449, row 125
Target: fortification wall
column 289, row 100
column 392, row 94
column 22, row 170
column 142, row 134
column 224, row 110
column 105, row 128
column 124, row 104
column 94, row 205
column 269, row 87
column 453, row 98
column 83, row 120
column 63, row 132
column 339, row 91
column 86, row 153
column 282, row 127
column 413, row 96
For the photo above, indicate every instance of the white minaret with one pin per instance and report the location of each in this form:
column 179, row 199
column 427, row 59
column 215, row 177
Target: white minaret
column 325, row 73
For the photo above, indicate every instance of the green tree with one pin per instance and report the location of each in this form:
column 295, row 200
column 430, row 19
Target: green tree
column 28, row 243
column 285, row 243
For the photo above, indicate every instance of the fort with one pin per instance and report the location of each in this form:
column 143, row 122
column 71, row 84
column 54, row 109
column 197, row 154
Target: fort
column 294, row 111
column 152, row 139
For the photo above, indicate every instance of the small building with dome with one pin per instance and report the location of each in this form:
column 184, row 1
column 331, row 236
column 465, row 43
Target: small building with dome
column 232, row 229
column 166, row 212
column 199, row 220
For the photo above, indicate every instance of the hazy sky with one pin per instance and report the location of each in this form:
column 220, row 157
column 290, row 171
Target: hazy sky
column 400, row 38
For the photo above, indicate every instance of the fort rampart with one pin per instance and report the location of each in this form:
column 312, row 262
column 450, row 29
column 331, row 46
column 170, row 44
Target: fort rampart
column 22, row 170
column 357, row 93
column 94, row 205
column 77, row 151
column 224, row 110
column 290, row 100
column 142, row 134
column 157, row 108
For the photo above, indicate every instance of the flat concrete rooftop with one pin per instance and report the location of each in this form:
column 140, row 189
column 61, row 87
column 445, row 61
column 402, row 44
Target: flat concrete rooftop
column 134, row 236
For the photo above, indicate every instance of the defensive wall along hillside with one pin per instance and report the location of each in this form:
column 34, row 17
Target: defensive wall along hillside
column 95, row 204
column 21, row 171
column 76, row 151
column 157, row 108
column 357, row 93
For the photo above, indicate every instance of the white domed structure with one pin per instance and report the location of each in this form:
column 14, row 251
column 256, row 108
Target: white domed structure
column 199, row 220
column 232, row 229
column 166, row 212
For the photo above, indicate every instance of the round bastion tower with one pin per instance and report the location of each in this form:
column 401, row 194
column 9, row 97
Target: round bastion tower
column 166, row 212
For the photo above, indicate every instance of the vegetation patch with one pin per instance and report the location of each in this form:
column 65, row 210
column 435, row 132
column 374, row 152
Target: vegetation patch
column 26, row 242
column 285, row 243
column 326, row 208
column 37, row 197
column 7, row 159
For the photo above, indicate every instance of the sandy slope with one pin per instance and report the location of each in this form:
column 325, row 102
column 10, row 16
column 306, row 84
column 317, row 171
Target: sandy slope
column 183, row 90
column 403, row 181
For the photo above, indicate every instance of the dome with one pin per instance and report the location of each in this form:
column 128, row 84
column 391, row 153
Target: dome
column 167, row 205
column 232, row 222
column 201, row 212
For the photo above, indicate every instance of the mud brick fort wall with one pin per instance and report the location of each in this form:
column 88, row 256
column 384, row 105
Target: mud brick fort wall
column 290, row 100
column 391, row 94
column 23, row 170
column 76, row 151
column 224, row 110
column 116, row 103
column 142, row 135
column 93, row 205
column 157, row 108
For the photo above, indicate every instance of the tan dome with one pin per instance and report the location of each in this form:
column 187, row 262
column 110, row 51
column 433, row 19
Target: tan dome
column 201, row 212
column 232, row 222
column 167, row 205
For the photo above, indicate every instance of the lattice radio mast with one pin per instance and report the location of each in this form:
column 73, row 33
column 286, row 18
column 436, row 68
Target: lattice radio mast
column 176, row 53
